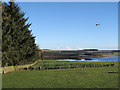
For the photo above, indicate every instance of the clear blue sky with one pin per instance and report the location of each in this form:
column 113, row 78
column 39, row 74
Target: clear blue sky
column 73, row 25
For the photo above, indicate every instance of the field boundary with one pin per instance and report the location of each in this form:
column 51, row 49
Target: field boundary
column 9, row 69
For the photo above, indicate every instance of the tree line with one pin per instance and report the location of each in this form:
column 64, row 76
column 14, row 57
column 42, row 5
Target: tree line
column 18, row 42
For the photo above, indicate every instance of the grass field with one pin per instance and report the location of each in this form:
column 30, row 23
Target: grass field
column 91, row 77
column 51, row 64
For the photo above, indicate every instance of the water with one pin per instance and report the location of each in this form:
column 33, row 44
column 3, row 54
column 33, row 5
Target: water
column 97, row 59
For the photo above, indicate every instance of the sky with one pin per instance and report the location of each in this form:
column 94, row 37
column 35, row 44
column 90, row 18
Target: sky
column 72, row 25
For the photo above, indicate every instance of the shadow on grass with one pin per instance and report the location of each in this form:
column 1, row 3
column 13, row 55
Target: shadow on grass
column 113, row 72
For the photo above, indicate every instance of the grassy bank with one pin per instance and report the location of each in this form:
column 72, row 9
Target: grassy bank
column 91, row 77
column 54, row 64
column 14, row 68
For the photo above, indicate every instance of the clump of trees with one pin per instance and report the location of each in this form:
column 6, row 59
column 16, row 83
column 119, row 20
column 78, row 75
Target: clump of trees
column 18, row 43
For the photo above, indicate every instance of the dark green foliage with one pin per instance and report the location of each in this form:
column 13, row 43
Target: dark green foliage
column 0, row 33
column 18, row 44
column 42, row 55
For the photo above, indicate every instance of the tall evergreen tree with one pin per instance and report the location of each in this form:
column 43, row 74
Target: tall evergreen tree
column 18, row 44
column 0, row 33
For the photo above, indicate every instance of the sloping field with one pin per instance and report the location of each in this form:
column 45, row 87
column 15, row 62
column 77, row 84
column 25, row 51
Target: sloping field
column 92, row 77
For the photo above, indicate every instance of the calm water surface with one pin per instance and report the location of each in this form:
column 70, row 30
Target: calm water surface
column 97, row 59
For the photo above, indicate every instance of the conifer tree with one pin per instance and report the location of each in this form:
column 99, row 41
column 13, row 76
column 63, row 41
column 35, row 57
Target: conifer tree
column 0, row 33
column 18, row 44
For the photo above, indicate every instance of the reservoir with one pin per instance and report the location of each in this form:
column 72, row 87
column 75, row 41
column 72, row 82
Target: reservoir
column 97, row 59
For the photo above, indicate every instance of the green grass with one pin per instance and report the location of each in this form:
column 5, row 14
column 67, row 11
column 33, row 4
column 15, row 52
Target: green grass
column 51, row 64
column 92, row 77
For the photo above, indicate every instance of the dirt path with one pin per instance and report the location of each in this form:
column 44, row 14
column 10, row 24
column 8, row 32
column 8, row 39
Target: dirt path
column 12, row 68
